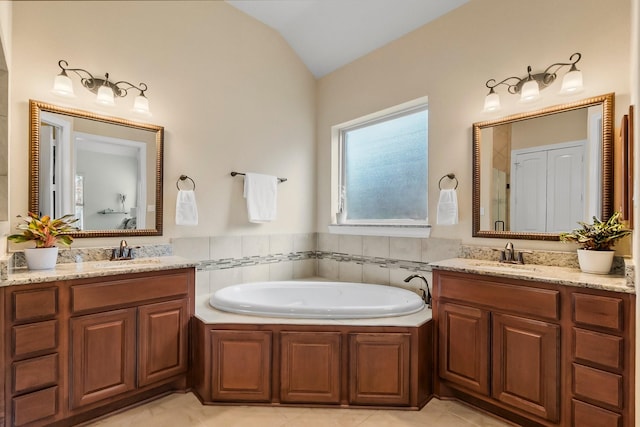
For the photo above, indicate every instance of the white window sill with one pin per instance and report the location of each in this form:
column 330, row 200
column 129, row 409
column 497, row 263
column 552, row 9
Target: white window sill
column 421, row 231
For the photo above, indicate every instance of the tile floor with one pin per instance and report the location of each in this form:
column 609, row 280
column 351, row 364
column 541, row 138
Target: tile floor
column 184, row 410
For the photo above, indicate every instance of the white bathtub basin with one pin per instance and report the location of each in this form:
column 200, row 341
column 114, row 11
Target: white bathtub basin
column 330, row 300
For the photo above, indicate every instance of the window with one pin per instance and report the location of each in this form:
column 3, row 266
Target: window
column 383, row 167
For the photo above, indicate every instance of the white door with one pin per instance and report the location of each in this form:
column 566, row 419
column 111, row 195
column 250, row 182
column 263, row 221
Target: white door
column 565, row 188
column 47, row 172
column 528, row 191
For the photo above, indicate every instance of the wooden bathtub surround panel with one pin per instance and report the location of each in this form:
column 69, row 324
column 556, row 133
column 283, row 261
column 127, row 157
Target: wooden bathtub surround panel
column 379, row 369
column 462, row 327
column 589, row 371
column 325, row 365
column 526, row 364
column 102, row 356
column 598, row 349
column 242, row 371
column 34, row 304
column 67, row 368
column 310, row 367
column 492, row 293
column 163, row 330
column 102, row 294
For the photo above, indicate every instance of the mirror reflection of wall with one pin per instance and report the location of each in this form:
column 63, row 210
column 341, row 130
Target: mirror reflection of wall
column 88, row 170
column 543, row 174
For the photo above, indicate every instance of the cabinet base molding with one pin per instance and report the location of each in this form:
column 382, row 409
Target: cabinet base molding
column 313, row 365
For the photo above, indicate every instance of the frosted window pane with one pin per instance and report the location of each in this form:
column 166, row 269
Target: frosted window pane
column 386, row 169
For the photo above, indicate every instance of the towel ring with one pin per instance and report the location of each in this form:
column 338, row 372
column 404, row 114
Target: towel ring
column 184, row 178
column 450, row 176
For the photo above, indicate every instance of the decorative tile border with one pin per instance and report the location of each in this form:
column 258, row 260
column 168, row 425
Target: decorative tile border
column 381, row 262
column 226, row 263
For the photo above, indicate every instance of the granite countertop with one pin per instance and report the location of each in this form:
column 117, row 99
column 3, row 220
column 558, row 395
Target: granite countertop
column 81, row 270
column 210, row 315
column 540, row 273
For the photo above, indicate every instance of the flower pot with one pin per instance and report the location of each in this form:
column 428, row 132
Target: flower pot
column 41, row 258
column 595, row 262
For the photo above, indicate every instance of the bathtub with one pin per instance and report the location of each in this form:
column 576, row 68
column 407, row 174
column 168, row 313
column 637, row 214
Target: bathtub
column 316, row 300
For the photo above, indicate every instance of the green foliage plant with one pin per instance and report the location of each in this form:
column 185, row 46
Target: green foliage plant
column 599, row 236
column 46, row 232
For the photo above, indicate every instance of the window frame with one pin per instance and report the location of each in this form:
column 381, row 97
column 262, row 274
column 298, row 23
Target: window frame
column 405, row 109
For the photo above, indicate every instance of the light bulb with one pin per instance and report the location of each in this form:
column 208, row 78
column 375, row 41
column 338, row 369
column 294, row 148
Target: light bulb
column 141, row 105
column 530, row 91
column 572, row 82
column 63, row 86
column 105, row 96
column 491, row 102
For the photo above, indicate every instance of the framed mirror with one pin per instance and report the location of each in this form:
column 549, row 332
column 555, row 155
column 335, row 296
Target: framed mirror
column 106, row 171
column 537, row 174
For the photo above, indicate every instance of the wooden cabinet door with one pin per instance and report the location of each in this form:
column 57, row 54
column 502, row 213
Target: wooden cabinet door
column 379, row 369
column 310, row 367
column 463, row 342
column 162, row 340
column 241, row 366
column 102, row 356
column 526, row 357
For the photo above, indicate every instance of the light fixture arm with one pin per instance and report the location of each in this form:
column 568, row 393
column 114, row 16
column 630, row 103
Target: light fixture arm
column 558, row 66
column 511, row 88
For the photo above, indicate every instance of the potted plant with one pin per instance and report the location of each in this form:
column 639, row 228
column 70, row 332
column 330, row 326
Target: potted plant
column 46, row 232
column 596, row 241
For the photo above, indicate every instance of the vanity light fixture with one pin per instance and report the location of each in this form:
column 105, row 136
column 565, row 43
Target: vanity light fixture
column 529, row 87
column 105, row 91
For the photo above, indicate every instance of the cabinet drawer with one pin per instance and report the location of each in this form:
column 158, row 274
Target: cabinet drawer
column 123, row 292
column 600, row 386
column 35, row 338
column 596, row 310
column 585, row 415
column 602, row 349
column 525, row 300
column 35, row 406
column 35, row 373
column 38, row 304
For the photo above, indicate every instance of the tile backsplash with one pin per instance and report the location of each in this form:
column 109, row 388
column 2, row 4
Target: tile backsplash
column 228, row 260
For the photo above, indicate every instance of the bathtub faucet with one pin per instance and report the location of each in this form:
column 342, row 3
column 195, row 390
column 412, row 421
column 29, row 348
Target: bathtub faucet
column 426, row 295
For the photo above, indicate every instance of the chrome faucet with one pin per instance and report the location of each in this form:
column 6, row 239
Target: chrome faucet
column 426, row 294
column 122, row 252
column 510, row 256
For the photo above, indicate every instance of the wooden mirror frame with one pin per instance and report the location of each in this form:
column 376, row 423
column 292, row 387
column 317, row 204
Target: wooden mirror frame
column 607, row 103
column 35, row 109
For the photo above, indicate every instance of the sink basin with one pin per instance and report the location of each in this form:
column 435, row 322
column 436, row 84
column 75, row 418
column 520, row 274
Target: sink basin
column 142, row 262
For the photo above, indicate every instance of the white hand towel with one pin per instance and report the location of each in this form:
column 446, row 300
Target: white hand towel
column 448, row 207
column 186, row 208
column 261, row 192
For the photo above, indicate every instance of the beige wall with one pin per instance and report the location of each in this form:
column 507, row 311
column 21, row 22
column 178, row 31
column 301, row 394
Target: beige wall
column 5, row 125
column 450, row 59
column 230, row 92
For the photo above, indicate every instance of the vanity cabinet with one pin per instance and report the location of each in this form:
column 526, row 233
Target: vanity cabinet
column 80, row 348
column 535, row 353
column 33, row 345
column 314, row 364
column 601, row 359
